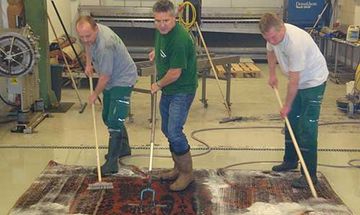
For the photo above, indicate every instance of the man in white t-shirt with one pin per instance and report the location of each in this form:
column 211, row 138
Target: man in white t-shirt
column 302, row 62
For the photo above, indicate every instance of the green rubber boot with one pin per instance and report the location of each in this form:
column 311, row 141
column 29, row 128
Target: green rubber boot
column 124, row 142
column 111, row 165
column 125, row 147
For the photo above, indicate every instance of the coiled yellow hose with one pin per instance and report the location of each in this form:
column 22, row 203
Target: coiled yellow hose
column 185, row 22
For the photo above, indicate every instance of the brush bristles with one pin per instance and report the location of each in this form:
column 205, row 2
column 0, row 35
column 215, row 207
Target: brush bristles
column 100, row 186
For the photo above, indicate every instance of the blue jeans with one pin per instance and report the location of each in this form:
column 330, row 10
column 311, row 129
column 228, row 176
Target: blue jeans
column 174, row 110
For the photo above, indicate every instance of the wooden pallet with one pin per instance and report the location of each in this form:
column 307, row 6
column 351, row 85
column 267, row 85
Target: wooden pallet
column 240, row 70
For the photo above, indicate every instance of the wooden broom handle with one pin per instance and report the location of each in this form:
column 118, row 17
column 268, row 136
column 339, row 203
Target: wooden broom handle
column 296, row 145
column 95, row 131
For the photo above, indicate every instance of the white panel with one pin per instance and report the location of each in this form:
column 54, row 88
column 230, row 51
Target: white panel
column 357, row 14
column 74, row 5
column 216, row 3
column 257, row 3
column 89, row 2
column 3, row 8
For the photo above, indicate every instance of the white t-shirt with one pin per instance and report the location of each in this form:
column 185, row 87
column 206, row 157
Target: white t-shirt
column 298, row 52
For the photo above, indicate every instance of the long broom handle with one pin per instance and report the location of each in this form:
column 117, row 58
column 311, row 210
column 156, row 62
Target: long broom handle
column 152, row 136
column 65, row 60
column 296, row 145
column 95, row 131
column 213, row 68
column 153, row 122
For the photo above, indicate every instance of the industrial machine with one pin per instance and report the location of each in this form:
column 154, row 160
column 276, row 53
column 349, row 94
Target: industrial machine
column 227, row 29
column 236, row 26
column 308, row 14
column 19, row 55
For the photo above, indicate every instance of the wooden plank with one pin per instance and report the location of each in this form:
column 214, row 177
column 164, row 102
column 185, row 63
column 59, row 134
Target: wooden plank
column 246, row 70
column 220, row 70
column 253, row 67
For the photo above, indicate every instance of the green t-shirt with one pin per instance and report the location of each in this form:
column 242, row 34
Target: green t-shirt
column 176, row 50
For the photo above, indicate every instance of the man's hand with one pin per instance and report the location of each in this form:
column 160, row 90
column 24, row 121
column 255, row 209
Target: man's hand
column 273, row 82
column 92, row 98
column 285, row 111
column 155, row 87
column 152, row 55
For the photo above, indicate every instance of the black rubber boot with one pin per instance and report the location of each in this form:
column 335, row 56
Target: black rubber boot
column 124, row 142
column 111, row 165
column 285, row 166
column 125, row 147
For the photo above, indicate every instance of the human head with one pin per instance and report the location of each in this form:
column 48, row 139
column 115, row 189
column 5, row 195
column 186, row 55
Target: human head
column 272, row 28
column 87, row 29
column 164, row 16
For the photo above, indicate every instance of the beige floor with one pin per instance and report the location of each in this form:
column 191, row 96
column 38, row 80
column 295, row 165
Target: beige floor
column 61, row 137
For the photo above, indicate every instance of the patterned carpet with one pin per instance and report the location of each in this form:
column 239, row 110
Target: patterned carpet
column 62, row 189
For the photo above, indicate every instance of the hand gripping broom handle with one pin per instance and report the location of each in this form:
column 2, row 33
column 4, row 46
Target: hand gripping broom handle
column 95, row 131
column 298, row 152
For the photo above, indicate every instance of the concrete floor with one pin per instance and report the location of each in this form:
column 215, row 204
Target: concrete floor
column 63, row 136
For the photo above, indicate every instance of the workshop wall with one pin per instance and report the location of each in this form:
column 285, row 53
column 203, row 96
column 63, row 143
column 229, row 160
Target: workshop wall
column 349, row 12
column 66, row 16
column 206, row 3
column 3, row 14
column 3, row 24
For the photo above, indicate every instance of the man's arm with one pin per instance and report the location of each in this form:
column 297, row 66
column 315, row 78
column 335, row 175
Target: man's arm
column 171, row 76
column 292, row 89
column 100, row 86
column 271, row 58
column 88, row 67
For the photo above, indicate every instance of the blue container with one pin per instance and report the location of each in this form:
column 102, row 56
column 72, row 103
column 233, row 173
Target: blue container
column 304, row 13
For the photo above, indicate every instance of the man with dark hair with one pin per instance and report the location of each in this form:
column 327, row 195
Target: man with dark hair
column 301, row 60
column 175, row 59
column 106, row 52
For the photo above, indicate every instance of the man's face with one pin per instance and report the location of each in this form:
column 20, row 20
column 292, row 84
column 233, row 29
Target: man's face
column 86, row 33
column 164, row 22
column 274, row 36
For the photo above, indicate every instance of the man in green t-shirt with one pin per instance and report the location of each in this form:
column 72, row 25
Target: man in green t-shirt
column 175, row 60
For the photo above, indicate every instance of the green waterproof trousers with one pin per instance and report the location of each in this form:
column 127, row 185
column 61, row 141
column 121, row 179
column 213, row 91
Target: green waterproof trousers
column 304, row 117
column 116, row 102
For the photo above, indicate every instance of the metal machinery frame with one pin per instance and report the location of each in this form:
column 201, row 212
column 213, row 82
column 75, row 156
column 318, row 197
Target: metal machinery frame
column 146, row 68
column 19, row 56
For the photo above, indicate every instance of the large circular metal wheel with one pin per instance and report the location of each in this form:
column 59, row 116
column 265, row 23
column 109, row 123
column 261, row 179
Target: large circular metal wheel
column 17, row 55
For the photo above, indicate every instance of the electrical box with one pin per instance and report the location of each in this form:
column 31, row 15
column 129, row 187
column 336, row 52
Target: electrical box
column 304, row 13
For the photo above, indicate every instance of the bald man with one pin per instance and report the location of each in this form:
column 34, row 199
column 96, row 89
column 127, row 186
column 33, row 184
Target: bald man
column 107, row 54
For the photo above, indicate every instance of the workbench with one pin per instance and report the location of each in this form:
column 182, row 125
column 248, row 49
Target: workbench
column 342, row 57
